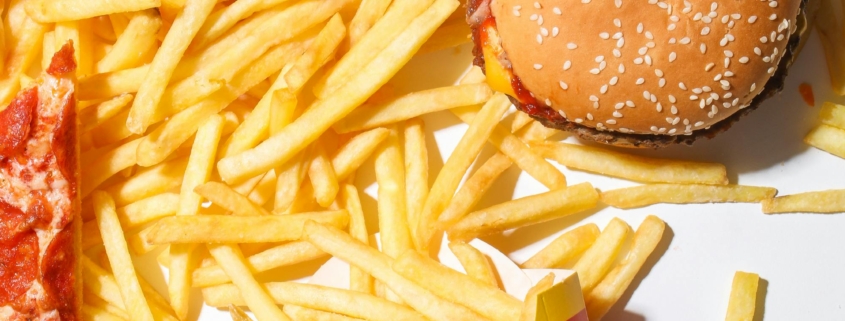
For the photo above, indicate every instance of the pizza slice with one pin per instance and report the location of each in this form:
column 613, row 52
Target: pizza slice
column 39, row 206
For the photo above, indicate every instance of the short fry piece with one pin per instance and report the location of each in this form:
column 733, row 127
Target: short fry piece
column 416, row 171
column 238, row 314
column 119, row 259
column 564, row 248
column 833, row 115
column 743, row 298
column 451, row 34
column 473, row 189
column 611, row 288
column 281, row 255
column 827, row 138
column 323, row 177
column 224, row 196
column 149, row 182
column 137, row 42
column 830, row 201
column 475, row 263
column 366, row 16
column 390, row 176
column 46, row 11
column 636, row 168
column 643, row 195
column 525, row 211
column 258, row 300
column 599, row 258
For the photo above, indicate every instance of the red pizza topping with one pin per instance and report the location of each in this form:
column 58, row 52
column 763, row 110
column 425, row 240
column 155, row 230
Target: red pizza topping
column 15, row 121
column 13, row 222
column 62, row 62
column 64, row 143
column 18, row 265
column 57, row 274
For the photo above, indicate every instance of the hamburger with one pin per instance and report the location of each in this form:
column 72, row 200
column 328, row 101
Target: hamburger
column 644, row 74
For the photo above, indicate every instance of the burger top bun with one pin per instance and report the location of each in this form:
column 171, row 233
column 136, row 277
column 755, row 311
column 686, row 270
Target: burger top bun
column 646, row 66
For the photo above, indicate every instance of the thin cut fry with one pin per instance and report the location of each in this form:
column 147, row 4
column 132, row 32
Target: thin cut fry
column 416, row 171
column 22, row 54
column 833, row 115
column 299, row 313
column 96, row 115
column 118, row 254
column 289, row 181
column 46, row 11
column 366, row 16
column 390, row 176
column 564, row 248
column 343, row 246
column 110, row 84
column 520, row 120
column 224, row 196
column 743, row 300
column 458, row 163
column 220, row 22
column 238, row 314
column 451, row 34
column 827, row 138
column 317, row 54
column 352, row 154
column 258, row 300
column 636, row 168
column 599, row 258
column 96, row 314
column 529, row 307
column 358, row 279
column 152, row 181
column 475, row 263
column 473, row 189
column 643, row 195
column 100, row 283
column 111, row 163
column 611, row 288
column 137, row 42
column 829, row 201
column 323, row 177
column 525, row 211
column 278, row 256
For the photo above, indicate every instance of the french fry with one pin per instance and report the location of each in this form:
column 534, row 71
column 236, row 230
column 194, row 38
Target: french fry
column 743, row 299
column 473, row 189
column 644, row 195
column 450, row 175
column 529, row 307
column 520, row 120
column 486, row 300
column 135, row 44
column 97, row 314
column 149, row 182
column 48, row 46
column 416, row 171
column 277, row 256
column 317, row 54
column 830, row 29
column 394, row 22
column 91, row 299
column 564, row 248
column 827, row 138
column 368, row 13
column 299, row 313
column 239, row 229
column 323, row 177
column 323, row 298
column 186, row 25
column 352, row 154
column 536, row 131
column 413, row 105
column 101, row 283
column 24, row 46
column 147, row 210
column 47, row 11
column 224, row 196
column 451, row 34
column 110, row 84
column 359, row 280
column 829, row 201
column 341, row 245
column 118, row 253
column 599, row 258
column 635, row 168
column 263, row 192
column 833, row 115
column 111, row 163
column 475, row 263
column 223, row 20
column 611, row 288
column 232, row 261
column 238, row 314
column 323, row 113
column 392, row 211
column 96, row 115
column 525, row 211
column 289, row 181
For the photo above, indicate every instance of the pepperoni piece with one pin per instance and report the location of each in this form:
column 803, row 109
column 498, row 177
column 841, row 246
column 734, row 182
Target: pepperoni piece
column 62, row 62
column 58, row 278
column 18, row 265
column 15, row 121
column 64, row 142
column 13, row 222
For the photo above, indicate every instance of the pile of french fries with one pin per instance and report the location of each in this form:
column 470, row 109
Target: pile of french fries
column 226, row 135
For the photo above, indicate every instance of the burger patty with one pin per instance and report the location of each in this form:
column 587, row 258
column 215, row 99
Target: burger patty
column 772, row 87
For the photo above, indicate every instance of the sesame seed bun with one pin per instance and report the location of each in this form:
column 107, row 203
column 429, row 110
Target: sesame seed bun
column 640, row 74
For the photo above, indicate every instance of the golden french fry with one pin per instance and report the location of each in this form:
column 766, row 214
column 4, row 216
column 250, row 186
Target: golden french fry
column 186, row 25
column 536, row 131
column 224, row 196
column 833, row 115
column 416, row 170
column 299, row 313
column 475, row 263
column 46, row 11
column 392, row 211
column 48, row 46
column 135, row 44
column 118, row 253
column 413, row 105
column 341, row 245
column 743, row 300
column 340, row 301
column 317, row 54
column 486, row 300
column 24, row 47
column 827, row 138
column 289, row 181
column 100, row 283
column 239, row 229
column 323, row 177
column 636, row 168
column 97, row 314
column 520, row 120
column 525, row 211
column 829, row 201
column 152, row 181
column 451, row 34
column 830, row 28
column 359, row 280
column 394, row 22
column 96, row 115
column 92, row 300
column 323, row 113
column 111, row 163
column 278, row 256
column 221, row 21
column 368, row 13
column 529, row 307
column 238, row 314
column 599, row 258
column 611, row 288
column 110, row 84
column 564, row 248
column 351, row 155
column 232, row 261
column 450, row 175
column 148, row 210
column 643, row 195
column 473, row 189
column 263, row 192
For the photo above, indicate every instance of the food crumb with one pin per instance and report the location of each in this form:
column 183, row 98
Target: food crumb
column 806, row 91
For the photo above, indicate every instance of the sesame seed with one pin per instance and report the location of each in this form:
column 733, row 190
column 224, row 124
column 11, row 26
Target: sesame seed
column 699, row 123
column 752, row 19
column 544, row 32
column 674, row 18
column 685, row 40
column 571, row 46
column 533, row 17
column 767, row 59
column 673, row 130
column 614, row 80
column 714, row 96
column 567, row 64
column 604, row 35
column 763, row 39
column 727, row 62
column 718, row 77
column 619, row 106
column 630, row 104
column 621, row 68
column 712, row 14
column 618, row 3
column 714, row 6
column 548, row 102
column 674, row 110
column 589, row 116
column 640, row 81
column 735, row 101
column 617, row 35
column 672, row 40
column 617, row 23
column 697, row 90
column 516, row 13
column 773, row 4
column 686, row 122
column 780, row 37
column 686, row 10
column 743, row 60
column 729, row 53
column 662, row 82
column 702, row 103
column 771, row 70
column 669, row 120
column 617, row 114
column 703, row 48
column 731, row 24
column 540, row 39
column 697, row 16
column 723, row 42
column 555, row 31
column 672, row 99
column 642, row 50
column 705, row 31
column 585, row 1
column 672, row 56
column 646, row 95
column 638, row 61
column 602, row 65
column 579, row 120
column 611, row 121
column 671, row 27
column 649, row 35
column 538, row 66
column 653, row 98
column 693, row 97
column 659, row 107
column 727, row 95
column 707, row 19
column 562, row 114
column 709, row 66
column 658, row 72
column 753, row 86
column 653, row 128
column 537, row 5
column 706, row 89
column 617, row 53
column 726, row 104
column 640, row 27
column 725, row 18
column 773, row 17
column 599, row 58
column 603, row 89
column 648, row 60
column 517, row 7
column 563, row 85
column 557, row 11
column 682, row 86
column 650, row 44
column 662, row 5
column 540, row 20
column 620, row 42
column 595, row 71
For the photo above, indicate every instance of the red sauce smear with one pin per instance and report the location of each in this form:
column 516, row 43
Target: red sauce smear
column 16, row 120
column 806, row 91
